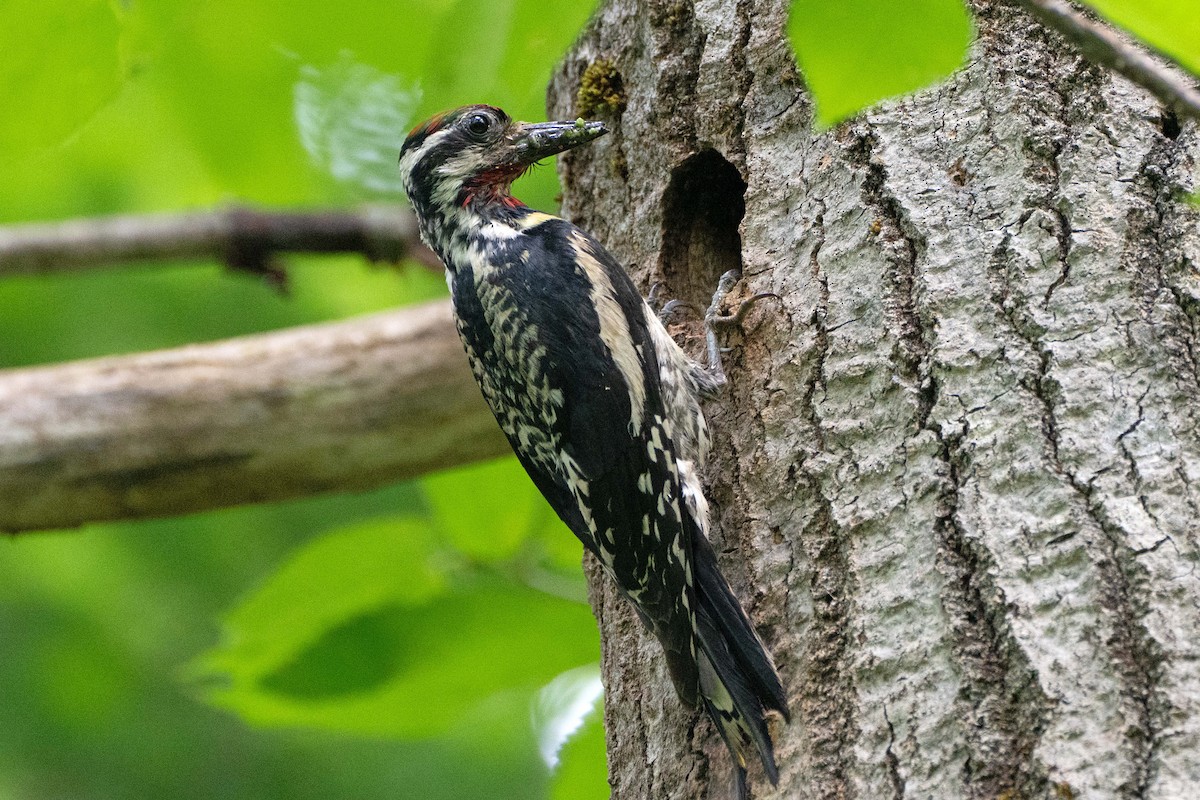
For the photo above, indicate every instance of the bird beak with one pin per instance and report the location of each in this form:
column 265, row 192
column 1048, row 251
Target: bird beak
column 535, row 141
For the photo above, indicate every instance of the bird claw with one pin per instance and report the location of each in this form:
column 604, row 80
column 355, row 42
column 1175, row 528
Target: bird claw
column 670, row 307
column 738, row 317
column 715, row 319
column 666, row 310
column 652, row 297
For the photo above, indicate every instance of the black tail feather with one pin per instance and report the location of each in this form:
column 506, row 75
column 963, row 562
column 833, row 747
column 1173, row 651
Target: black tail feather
column 747, row 650
column 741, row 718
column 738, row 680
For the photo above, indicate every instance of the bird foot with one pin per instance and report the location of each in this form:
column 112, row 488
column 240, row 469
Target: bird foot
column 665, row 311
column 715, row 318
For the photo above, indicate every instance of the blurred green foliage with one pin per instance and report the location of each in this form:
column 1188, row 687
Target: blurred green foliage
column 854, row 53
column 386, row 628
column 1171, row 26
column 400, row 643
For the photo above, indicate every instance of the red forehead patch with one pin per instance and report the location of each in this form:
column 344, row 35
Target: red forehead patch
column 439, row 121
column 428, row 126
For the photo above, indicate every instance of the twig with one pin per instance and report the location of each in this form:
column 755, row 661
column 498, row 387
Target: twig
column 244, row 238
column 1102, row 45
column 335, row 407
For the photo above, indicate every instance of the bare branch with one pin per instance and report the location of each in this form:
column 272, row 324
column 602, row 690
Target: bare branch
column 244, row 238
column 1102, row 45
column 343, row 406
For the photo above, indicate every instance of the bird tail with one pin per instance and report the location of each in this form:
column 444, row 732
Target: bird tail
column 738, row 681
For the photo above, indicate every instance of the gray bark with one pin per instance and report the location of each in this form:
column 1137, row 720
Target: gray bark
column 954, row 471
column 336, row 407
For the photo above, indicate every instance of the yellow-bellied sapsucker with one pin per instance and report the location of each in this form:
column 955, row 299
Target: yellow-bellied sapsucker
column 601, row 406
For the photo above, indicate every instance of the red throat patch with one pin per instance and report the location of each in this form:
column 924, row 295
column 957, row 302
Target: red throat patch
column 494, row 184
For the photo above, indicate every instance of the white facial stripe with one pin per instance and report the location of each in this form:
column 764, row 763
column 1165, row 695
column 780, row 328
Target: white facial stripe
column 413, row 157
column 468, row 162
column 614, row 329
column 450, row 176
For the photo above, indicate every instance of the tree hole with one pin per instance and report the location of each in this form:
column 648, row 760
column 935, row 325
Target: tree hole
column 702, row 209
column 1169, row 123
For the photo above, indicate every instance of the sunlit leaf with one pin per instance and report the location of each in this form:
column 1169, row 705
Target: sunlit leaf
column 96, row 625
column 350, row 117
column 1172, row 26
column 582, row 770
column 509, row 49
column 332, row 580
column 854, row 53
column 487, row 510
column 359, row 655
column 226, row 71
column 493, row 512
column 125, row 106
column 563, row 706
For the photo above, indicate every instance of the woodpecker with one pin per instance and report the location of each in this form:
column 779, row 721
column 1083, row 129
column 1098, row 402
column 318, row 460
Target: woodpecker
column 600, row 404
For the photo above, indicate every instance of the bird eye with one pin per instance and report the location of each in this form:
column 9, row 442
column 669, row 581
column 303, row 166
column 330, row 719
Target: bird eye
column 478, row 125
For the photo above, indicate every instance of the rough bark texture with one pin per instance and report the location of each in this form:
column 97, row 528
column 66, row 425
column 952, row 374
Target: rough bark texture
column 955, row 473
column 342, row 406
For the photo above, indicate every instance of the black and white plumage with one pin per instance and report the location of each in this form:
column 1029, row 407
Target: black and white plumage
column 601, row 406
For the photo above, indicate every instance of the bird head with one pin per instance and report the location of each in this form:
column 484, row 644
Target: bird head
column 476, row 152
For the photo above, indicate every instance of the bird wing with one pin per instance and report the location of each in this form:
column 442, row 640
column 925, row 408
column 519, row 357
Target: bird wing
column 607, row 461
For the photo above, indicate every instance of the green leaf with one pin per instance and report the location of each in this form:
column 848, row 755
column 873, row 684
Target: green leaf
column 60, row 65
column 493, row 512
column 374, row 630
column 1172, row 26
column 194, row 105
column 563, row 709
column 349, row 117
column 328, row 582
column 855, row 53
column 487, row 510
column 225, row 72
column 358, row 655
column 513, row 46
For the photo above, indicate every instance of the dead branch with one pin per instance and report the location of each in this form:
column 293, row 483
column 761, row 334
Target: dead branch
column 243, row 238
column 334, row 407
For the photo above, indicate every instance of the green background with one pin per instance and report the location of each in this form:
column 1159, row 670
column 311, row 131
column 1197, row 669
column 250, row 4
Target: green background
column 392, row 644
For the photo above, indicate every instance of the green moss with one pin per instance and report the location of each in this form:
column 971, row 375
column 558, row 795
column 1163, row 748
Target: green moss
column 1063, row 791
column 601, row 89
column 620, row 166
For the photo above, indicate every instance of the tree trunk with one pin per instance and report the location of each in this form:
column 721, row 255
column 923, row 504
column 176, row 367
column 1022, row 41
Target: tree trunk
column 953, row 470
